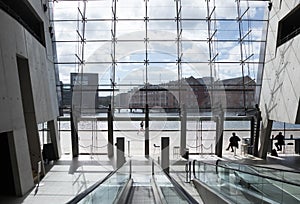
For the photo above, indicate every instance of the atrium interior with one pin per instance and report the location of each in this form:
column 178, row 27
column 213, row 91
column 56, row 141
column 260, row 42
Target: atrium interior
column 108, row 100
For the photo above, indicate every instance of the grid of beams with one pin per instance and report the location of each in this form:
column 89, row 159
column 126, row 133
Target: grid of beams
column 189, row 38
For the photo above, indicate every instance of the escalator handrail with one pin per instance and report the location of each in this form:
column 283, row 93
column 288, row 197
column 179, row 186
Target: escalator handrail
column 87, row 191
column 179, row 189
column 245, row 172
column 252, row 167
column 263, row 167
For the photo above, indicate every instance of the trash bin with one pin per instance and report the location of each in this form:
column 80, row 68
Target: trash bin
column 246, row 148
column 48, row 152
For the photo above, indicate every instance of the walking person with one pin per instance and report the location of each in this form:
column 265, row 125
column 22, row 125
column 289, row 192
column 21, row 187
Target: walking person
column 233, row 142
column 141, row 127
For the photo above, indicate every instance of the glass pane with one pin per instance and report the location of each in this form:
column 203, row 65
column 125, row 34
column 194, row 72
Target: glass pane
column 98, row 10
column 133, row 30
column 161, row 9
column 133, row 10
column 98, row 30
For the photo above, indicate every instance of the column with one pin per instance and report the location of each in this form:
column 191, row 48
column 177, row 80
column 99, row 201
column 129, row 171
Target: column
column 147, row 131
column 183, row 116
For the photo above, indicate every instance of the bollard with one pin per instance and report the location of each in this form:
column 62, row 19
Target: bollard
column 152, row 167
column 128, row 148
column 190, row 171
column 186, row 173
column 130, row 168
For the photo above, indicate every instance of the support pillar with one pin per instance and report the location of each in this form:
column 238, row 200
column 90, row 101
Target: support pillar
column 165, row 160
column 219, row 133
column 147, row 131
column 55, row 140
column 183, row 130
column 265, row 138
column 120, row 151
column 257, row 131
column 110, row 146
column 252, row 132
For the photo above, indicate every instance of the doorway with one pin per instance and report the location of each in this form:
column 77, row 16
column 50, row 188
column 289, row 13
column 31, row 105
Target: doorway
column 6, row 170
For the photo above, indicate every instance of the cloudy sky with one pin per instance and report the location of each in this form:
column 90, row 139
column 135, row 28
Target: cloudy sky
column 163, row 47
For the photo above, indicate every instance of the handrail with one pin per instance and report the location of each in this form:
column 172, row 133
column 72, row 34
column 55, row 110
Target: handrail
column 245, row 172
column 157, row 193
column 263, row 167
column 263, row 187
column 123, row 196
column 87, row 191
column 179, row 189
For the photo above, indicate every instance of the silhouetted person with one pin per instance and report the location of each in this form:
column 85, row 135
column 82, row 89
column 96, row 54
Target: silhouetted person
column 280, row 141
column 141, row 126
column 233, row 142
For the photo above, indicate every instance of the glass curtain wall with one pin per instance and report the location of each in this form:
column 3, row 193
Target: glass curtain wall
column 204, row 55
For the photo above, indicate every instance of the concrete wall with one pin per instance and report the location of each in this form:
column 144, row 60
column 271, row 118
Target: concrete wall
column 280, row 86
column 16, row 40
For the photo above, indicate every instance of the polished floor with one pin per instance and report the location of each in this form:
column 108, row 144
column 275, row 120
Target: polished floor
column 69, row 176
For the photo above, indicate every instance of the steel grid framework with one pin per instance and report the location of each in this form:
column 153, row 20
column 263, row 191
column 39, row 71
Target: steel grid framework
column 179, row 41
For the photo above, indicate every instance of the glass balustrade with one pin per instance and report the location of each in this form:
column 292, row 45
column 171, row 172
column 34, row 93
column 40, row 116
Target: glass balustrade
column 282, row 174
column 242, row 185
column 109, row 189
column 166, row 188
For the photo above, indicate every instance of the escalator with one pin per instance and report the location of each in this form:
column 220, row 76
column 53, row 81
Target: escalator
column 141, row 194
column 137, row 181
column 277, row 180
column 230, row 183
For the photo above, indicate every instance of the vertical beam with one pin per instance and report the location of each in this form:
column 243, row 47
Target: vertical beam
column 120, row 151
column 74, row 135
column 110, row 146
column 241, row 37
column 165, row 160
column 179, row 47
column 211, row 50
column 147, row 131
column 113, row 51
column 183, row 130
